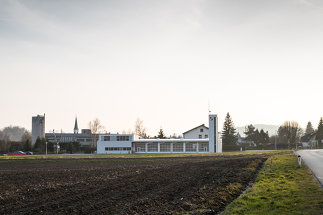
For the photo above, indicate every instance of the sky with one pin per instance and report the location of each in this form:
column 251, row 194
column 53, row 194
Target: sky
column 166, row 62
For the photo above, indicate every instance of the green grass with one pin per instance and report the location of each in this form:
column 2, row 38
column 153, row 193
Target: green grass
column 281, row 188
column 82, row 156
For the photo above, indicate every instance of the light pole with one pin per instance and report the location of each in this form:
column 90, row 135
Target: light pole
column 46, row 147
column 276, row 140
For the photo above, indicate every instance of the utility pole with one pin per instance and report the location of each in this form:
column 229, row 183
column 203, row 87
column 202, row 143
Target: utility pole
column 46, row 147
column 276, row 140
column 57, row 142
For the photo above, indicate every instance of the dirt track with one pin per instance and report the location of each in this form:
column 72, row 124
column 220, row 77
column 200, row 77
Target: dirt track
column 123, row 186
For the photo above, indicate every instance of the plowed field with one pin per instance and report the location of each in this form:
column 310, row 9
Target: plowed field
column 124, row 186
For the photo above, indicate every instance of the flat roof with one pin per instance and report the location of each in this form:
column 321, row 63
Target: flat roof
column 169, row 140
column 115, row 134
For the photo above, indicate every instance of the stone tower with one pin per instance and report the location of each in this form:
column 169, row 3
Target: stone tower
column 37, row 127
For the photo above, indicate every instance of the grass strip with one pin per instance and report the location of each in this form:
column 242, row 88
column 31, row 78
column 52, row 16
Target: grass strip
column 281, row 188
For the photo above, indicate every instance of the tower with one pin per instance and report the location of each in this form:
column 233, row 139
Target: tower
column 37, row 127
column 214, row 144
column 76, row 128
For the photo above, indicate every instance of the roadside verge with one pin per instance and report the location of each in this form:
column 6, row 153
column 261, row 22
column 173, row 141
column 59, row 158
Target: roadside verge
column 281, row 188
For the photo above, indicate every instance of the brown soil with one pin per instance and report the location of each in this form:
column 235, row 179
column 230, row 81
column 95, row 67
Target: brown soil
column 124, row 186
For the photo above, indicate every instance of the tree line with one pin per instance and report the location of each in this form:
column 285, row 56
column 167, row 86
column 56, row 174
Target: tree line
column 14, row 138
column 288, row 135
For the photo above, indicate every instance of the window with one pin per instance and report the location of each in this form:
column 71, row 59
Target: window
column 206, row 136
column 190, row 147
column 177, row 147
column 117, row 148
column 201, row 130
column 153, row 147
column 140, row 147
column 106, row 138
column 200, row 136
column 165, row 147
column 203, row 147
column 123, row 138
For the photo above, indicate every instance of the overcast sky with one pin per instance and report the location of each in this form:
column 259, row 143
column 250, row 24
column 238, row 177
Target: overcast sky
column 163, row 61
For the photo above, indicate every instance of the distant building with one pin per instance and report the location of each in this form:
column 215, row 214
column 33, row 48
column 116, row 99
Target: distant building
column 199, row 132
column 308, row 140
column 242, row 141
column 85, row 138
column 37, row 127
column 125, row 143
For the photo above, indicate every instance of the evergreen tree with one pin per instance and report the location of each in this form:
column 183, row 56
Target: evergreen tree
column 257, row 138
column 27, row 146
column 319, row 134
column 40, row 145
column 267, row 137
column 250, row 132
column 161, row 134
column 37, row 145
column 309, row 128
column 228, row 132
column 263, row 137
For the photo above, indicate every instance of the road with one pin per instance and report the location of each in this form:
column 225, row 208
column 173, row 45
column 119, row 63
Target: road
column 314, row 160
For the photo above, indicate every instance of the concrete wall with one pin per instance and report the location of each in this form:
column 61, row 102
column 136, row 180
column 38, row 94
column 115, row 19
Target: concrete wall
column 37, row 127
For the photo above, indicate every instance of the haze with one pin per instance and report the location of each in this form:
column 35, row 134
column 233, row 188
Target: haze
column 165, row 62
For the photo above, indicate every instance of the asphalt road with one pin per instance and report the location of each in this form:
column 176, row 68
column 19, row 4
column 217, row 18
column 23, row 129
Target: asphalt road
column 314, row 160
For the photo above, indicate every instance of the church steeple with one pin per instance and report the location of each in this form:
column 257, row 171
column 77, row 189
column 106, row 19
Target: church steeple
column 76, row 128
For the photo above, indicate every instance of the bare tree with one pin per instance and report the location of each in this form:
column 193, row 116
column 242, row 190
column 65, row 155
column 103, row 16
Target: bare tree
column 140, row 130
column 291, row 132
column 96, row 128
column 4, row 139
column 26, row 136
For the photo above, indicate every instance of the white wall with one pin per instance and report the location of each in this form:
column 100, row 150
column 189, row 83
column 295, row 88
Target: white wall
column 101, row 145
column 194, row 134
column 214, row 144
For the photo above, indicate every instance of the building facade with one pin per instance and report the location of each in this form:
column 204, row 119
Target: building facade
column 125, row 143
column 199, row 132
column 37, row 127
column 85, row 138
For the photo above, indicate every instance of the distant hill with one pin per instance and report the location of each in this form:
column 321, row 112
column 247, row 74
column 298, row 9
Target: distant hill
column 272, row 129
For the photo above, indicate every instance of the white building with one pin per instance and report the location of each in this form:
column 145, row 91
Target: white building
column 115, row 144
column 199, row 132
column 125, row 143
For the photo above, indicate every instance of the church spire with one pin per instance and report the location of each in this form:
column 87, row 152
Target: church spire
column 76, row 128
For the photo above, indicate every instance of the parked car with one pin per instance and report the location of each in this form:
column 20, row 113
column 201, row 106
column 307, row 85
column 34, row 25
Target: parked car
column 17, row 153
column 29, row 153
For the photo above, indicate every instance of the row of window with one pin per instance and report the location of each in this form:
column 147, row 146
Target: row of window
column 205, row 136
column 123, row 138
column 177, row 147
column 84, row 140
column 117, row 148
column 118, row 138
